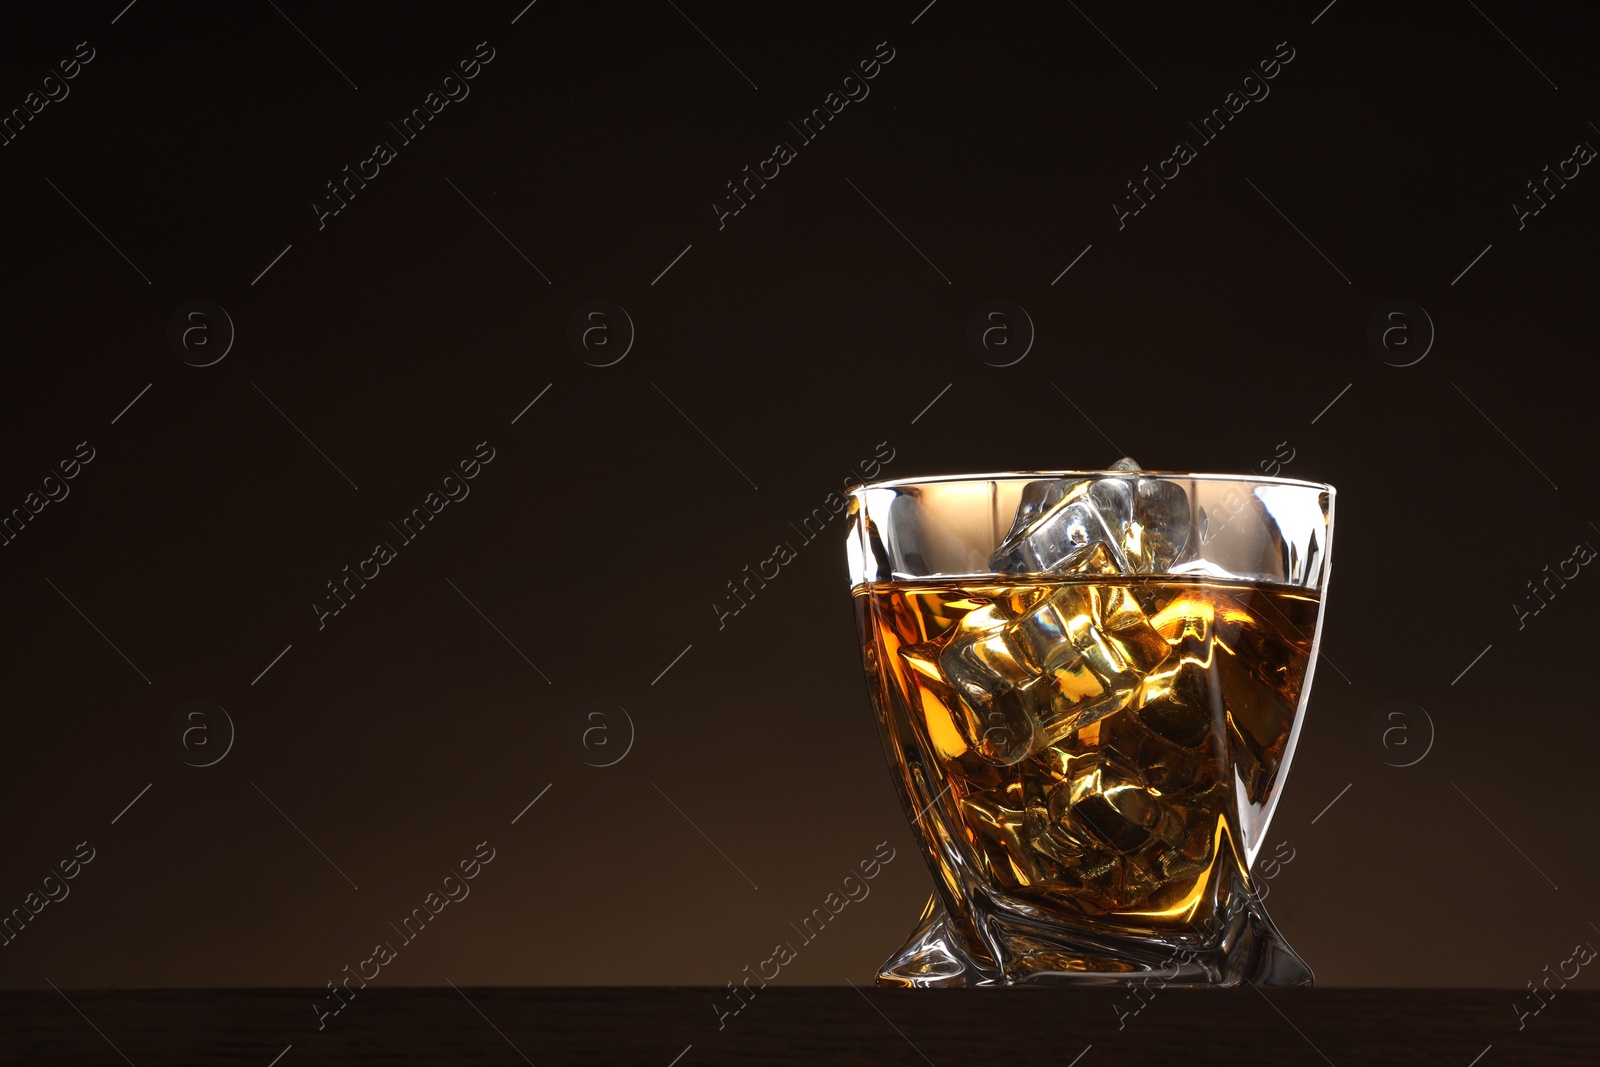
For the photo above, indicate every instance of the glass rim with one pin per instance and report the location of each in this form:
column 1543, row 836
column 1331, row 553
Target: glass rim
column 995, row 476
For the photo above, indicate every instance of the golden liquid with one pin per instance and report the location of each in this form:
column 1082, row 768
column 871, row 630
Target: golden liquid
column 1097, row 736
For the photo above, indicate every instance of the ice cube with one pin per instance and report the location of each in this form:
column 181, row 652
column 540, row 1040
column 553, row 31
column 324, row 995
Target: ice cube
column 1045, row 632
column 1073, row 527
column 1031, row 671
column 1106, row 801
column 1037, row 499
column 1181, row 700
column 1173, row 770
column 1126, row 624
column 1047, row 836
column 1111, row 524
column 1162, row 533
column 1108, row 882
column 1095, row 643
column 1002, row 695
column 1182, row 864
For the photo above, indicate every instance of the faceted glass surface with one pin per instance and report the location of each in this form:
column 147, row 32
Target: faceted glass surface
column 1089, row 686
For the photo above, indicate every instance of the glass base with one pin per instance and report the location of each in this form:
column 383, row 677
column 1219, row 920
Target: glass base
column 1245, row 948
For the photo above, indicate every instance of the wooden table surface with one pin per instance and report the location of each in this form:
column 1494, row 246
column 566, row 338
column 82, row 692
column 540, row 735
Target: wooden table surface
column 793, row 1025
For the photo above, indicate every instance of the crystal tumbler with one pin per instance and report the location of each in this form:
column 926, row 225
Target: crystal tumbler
column 1089, row 686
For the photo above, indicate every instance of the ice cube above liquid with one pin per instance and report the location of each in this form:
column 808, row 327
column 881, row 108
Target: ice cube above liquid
column 1127, row 524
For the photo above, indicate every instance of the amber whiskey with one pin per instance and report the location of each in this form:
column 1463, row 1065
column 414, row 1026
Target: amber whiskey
column 1090, row 744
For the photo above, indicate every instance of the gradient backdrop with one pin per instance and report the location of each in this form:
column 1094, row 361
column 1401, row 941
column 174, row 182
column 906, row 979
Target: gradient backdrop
column 765, row 356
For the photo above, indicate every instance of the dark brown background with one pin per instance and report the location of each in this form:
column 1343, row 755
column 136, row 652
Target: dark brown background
column 408, row 330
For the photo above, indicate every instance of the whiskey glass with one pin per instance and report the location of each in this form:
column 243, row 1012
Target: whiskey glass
column 1089, row 686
